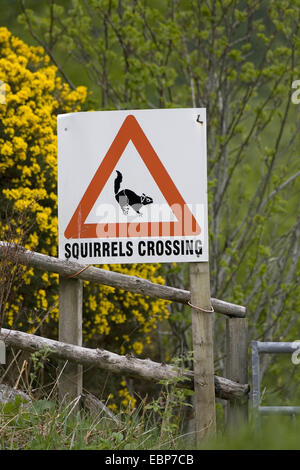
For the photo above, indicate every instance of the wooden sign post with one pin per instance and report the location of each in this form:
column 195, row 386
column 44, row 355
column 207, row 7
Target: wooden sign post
column 202, row 325
column 70, row 331
column 237, row 369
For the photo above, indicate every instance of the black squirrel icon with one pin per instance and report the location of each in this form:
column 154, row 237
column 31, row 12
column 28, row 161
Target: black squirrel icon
column 127, row 198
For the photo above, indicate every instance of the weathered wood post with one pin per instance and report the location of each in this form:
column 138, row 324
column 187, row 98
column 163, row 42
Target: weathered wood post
column 237, row 368
column 70, row 331
column 202, row 325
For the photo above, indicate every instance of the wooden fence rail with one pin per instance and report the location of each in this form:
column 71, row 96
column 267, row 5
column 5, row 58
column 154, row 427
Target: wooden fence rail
column 129, row 365
column 234, row 388
column 110, row 278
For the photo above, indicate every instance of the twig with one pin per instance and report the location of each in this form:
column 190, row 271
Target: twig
column 44, row 45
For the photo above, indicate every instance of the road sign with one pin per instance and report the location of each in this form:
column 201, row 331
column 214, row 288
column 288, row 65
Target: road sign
column 132, row 186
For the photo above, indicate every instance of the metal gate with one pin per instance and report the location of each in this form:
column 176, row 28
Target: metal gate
column 259, row 347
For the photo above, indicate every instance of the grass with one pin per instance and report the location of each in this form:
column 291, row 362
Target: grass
column 276, row 433
column 45, row 425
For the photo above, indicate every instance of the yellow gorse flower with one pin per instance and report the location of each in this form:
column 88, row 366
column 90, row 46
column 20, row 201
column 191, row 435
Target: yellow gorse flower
column 35, row 94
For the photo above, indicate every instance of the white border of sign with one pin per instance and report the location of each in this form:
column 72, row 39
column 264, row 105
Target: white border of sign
column 178, row 137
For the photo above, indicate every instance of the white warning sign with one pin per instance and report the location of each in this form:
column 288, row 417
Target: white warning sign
column 132, row 186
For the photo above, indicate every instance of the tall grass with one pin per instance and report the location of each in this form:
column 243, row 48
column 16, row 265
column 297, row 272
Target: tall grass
column 45, row 425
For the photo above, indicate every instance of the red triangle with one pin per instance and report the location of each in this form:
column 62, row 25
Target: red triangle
column 131, row 130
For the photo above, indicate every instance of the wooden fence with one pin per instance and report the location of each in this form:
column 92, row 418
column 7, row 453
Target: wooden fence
column 233, row 388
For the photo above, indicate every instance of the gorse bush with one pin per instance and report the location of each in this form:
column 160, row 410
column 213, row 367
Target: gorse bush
column 35, row 94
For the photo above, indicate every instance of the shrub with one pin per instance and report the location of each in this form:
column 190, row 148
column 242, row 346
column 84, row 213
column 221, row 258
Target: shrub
column 35, row 94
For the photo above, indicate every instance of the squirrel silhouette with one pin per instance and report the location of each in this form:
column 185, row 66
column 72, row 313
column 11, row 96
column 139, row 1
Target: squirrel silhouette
column 128, row 198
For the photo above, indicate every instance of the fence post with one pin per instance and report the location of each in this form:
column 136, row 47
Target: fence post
column 202, row 325
column 70, row 331
column 237, row 368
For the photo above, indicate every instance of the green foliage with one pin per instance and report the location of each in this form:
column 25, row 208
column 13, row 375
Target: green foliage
column 43, row 425
column 171, row 406
column 237, row 59
column 38, row 362
column 46, row 426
